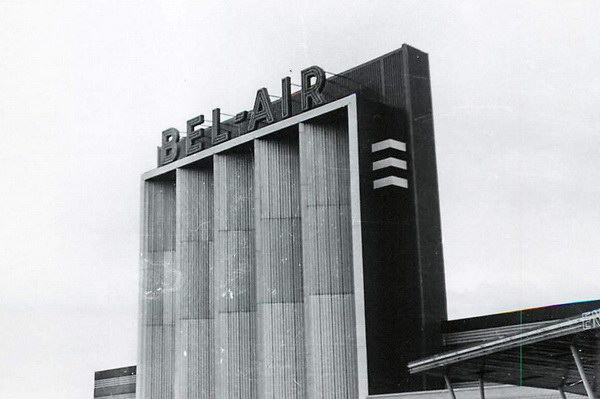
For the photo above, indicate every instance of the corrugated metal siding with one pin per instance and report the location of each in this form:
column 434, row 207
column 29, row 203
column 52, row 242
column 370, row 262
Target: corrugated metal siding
column 235, row 263
column 115, row 383
column 157, row 343
column 327, row 261
column 107, row 382
column 281, row 366
column 195, row 305
column 302, row 341
column 121, row 396
column 393, row 86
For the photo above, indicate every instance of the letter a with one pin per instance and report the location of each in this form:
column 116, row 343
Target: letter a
column 263, row 109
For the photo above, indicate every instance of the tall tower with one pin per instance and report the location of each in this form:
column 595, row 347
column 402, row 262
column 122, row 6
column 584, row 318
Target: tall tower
column 295, row 251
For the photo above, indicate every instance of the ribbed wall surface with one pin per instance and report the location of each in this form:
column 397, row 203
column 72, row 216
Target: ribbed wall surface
column 279, row 269
column 327, row 261
column 115, row 383
column 266, row 315
column 235, row 259
column 156, row 331
column 120, row 396
column 195, row 295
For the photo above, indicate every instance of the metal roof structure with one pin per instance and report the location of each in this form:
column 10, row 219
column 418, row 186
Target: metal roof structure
column 561, row 354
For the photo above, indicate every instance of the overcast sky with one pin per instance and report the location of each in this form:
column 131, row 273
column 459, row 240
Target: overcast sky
column 86, row 88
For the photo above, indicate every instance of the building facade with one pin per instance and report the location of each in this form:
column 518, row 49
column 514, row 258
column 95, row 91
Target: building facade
column 115, row 383
column 294, row 251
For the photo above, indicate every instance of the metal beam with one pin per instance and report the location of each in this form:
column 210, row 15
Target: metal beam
column 584, row 379
column 481, row 388
column 560, row 329
column 561, row 391
column 449, row 386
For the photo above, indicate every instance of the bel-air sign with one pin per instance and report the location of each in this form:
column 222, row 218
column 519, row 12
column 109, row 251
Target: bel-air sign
column 263, row 113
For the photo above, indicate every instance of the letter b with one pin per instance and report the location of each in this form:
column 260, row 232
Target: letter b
column 169, row 150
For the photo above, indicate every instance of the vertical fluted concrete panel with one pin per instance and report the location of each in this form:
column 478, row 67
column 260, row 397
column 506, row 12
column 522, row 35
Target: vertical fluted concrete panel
column 327, row 261
column 235, row 274
column 194, row 356
column 280, row 314
column 157, row 282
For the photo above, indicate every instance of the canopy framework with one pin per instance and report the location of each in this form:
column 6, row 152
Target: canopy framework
column 562, row 355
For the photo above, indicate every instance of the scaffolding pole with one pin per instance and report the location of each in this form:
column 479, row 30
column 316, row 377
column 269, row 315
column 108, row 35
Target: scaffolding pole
column 449, row 386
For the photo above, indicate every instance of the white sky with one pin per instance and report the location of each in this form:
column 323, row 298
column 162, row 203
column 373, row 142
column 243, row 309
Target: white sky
column 87, row 87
